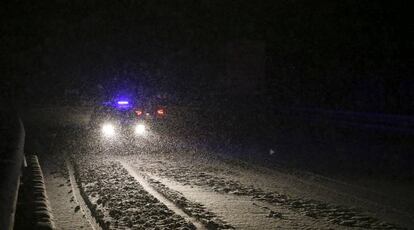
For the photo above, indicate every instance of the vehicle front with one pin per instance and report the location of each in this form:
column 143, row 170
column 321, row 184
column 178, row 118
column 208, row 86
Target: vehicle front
column 116, row 123
column 126, row 122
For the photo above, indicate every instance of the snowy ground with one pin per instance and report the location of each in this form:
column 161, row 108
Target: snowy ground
column 247, row 198
column 174, row 186
column 65, row 208
column 119, row 201
column 169, row 184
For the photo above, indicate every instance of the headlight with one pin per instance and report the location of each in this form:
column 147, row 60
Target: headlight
column 108, row 130
column 140, row 129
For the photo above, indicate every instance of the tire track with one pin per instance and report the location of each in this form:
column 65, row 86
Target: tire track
column 79, row 199
column 318, row 210
column 119, row 201
column 171, row 205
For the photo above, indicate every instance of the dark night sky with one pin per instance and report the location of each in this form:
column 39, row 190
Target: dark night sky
column 315, row 49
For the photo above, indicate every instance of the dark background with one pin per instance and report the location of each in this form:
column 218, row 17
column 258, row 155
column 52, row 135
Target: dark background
column 350, row 55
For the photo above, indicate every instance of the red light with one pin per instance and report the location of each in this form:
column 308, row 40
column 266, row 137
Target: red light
column 160, row 112
column 139, row 112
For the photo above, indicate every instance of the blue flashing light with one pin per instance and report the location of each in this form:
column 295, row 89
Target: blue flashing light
column 123, row 102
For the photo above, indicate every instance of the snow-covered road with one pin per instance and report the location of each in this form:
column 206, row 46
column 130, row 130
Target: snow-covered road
column 172, row 185
column 249, row 197
column 192, row 190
